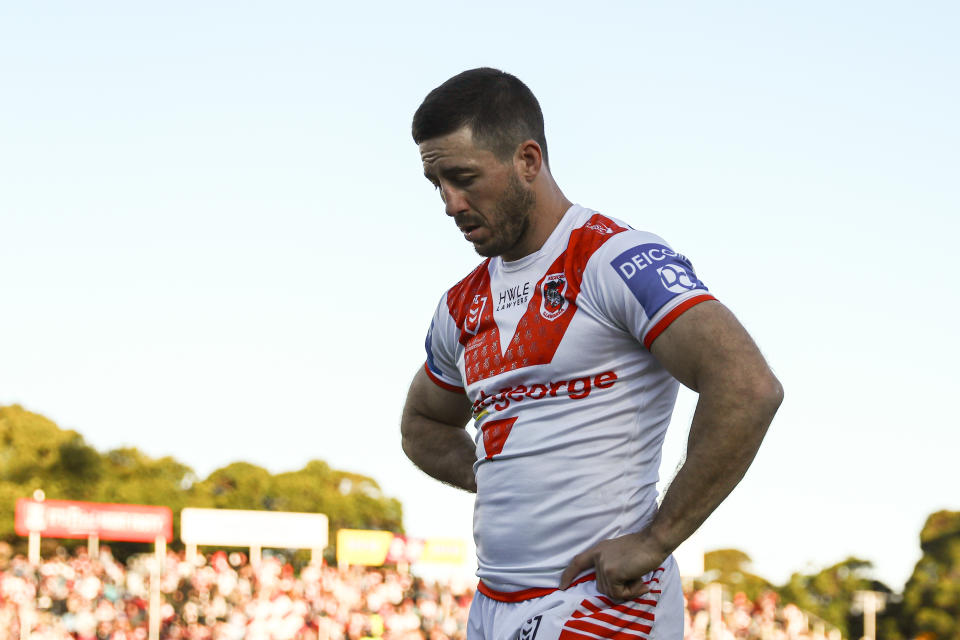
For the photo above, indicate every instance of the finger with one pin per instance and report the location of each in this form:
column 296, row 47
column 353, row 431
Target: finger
column 580, row 562
column 616, row 593
column 630, row 590
column 603, row 585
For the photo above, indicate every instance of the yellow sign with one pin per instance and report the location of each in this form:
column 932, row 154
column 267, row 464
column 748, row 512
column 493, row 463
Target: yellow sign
column 360, row 546
column 444, row 551
column 376, row 548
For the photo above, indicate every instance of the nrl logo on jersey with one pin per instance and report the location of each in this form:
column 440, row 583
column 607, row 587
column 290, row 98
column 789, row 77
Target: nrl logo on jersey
column 472, row 324
column 529, row 629
column 552, row 300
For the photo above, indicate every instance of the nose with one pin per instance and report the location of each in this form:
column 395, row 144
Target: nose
column 453, row 199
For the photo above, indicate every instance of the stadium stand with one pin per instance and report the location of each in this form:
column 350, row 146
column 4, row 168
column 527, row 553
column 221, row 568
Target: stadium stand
column 223, row 597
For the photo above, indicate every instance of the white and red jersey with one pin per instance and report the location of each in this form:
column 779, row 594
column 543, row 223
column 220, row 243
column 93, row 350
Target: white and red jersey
column 570, row 406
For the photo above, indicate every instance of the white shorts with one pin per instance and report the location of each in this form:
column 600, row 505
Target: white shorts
column 583, row 613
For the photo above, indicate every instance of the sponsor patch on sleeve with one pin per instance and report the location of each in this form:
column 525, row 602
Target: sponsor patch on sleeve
column 655, row 274
column 431, row 361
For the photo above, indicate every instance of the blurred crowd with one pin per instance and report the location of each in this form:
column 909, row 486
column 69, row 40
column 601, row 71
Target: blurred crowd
column 739, row 618
column 223, row 597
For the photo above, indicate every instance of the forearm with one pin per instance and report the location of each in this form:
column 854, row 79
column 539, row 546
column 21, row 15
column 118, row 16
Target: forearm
column 728, row 426
column 442, row 451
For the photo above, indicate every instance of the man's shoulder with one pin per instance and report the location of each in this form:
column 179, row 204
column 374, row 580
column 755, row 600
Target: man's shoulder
column 599, row 237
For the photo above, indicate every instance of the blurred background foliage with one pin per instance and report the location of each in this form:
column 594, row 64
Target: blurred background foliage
column 36, row 454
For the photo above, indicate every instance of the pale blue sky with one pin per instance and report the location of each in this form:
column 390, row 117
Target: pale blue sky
column 216, row 241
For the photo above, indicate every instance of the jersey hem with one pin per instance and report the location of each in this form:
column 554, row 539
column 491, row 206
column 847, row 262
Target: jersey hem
column 674, row 313
column 440, row 383
column 526, row 594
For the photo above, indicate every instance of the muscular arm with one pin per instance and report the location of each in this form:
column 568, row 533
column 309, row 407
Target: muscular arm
column 710, row 352
column 433, row 433
column 739, row 396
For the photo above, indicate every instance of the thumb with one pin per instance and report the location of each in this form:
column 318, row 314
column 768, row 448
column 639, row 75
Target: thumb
column 580, row 562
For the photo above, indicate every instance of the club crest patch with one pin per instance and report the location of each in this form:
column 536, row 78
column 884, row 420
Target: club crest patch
column 529, row 629
column 553, row 301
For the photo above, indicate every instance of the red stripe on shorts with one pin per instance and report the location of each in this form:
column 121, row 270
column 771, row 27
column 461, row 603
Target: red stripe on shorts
column 601, row 631
column 647, row 615
column 589, row 606
column 620, row 622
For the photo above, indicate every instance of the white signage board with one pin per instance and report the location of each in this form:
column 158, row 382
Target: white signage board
column 238, row 528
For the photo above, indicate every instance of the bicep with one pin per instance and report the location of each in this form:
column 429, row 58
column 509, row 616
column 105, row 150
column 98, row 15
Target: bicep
column 427, row 399
column 707, row 345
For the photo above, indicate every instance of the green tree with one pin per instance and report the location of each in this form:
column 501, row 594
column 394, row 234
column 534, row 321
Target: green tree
column 829, row 593
column 931, row 597
column 36, row 453
column 133, row 477
column 350, row 500
column 732, row 567
column 239, row 485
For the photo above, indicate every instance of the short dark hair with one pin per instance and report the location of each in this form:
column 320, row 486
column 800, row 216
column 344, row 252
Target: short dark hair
column 500, row 110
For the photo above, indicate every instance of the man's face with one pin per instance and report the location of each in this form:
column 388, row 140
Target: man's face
column 484, row 196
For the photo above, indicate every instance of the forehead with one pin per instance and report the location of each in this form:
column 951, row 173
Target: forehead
column 455, row 149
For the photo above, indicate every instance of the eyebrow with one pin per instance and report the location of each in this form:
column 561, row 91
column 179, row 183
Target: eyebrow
column 448, row 172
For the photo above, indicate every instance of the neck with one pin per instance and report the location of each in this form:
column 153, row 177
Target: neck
column 547, row 213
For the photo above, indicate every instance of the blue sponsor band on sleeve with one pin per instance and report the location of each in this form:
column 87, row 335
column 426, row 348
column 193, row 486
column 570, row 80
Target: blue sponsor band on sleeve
column 428, row 344
column 655, row 274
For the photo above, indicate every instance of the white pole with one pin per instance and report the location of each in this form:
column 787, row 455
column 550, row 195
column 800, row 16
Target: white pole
column 36, row 523
column 26, row 622
column 93, row 545
column 192, row 554
column 6, row 623
column 255, row 555
column 870, row 615
column 715, row 594
column 156, row 571
column 33, row 548
column 316, row 555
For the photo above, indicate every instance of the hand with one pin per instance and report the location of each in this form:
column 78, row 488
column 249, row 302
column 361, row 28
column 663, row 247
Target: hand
column 620, row 564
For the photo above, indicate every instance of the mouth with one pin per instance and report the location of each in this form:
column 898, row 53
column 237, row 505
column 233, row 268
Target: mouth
column 469, row 231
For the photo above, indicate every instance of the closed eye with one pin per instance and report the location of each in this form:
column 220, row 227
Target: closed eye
column 462, row 180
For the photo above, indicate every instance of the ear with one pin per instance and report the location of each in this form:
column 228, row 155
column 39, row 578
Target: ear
column 528, row 160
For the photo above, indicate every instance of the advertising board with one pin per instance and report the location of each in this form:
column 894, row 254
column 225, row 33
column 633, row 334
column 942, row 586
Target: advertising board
column 242, row 528
column 107, row 521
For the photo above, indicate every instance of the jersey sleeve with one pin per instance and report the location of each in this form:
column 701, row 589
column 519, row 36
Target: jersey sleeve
column 642, row 284
column 442, row 344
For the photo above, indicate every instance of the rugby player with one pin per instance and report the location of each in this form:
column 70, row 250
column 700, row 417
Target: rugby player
column 566, row 346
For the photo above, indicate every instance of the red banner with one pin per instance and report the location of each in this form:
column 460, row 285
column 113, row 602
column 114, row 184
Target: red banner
column 71, row 519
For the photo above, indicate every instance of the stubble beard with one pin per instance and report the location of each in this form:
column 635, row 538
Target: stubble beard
column 511, row 219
